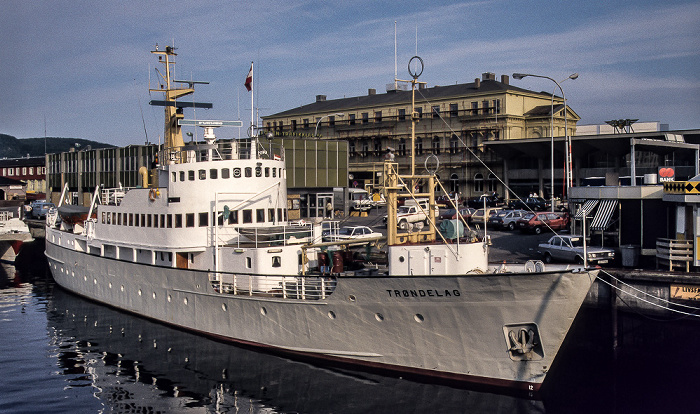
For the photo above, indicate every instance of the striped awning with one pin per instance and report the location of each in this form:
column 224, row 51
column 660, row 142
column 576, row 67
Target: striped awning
column 586, row 208
column 601, row 221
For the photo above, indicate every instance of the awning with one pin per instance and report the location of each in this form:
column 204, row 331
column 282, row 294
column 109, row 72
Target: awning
column 601, row 221
column 586, row 208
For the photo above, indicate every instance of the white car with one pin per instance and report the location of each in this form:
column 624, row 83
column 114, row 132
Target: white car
column 570, row 249
column 359, row 233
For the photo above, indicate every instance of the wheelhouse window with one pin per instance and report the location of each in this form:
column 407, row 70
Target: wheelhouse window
column 247, row 216
column 189, row 220
column 260, row 215
column 178, row 221
column 276, row 261
column 233, row 217
column 203, row 219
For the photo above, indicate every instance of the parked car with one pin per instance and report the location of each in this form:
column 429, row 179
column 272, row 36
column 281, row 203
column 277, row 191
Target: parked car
column 447, row 213
column 570, row 249
column 530, row 203
column 40, row 208
column 506, row 219
column 359, row 233
column 466, row 214
column 491, row 200
column 539, row 222
column 478, row 216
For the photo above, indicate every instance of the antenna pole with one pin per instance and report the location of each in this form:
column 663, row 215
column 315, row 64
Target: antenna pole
column 396, row 67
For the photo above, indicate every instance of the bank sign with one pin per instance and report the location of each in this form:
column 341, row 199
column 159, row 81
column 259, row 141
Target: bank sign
column 667, row 174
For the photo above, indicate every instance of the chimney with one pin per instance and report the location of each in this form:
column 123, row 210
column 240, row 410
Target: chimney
column 320, row 98
column 488, row 76
column 371, row 91
column 477, row 83
column 505, row 80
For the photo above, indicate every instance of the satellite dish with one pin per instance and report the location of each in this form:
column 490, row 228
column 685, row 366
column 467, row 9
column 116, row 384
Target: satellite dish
column 227, row 212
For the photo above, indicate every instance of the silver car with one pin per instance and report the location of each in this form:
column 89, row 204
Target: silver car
column 570, row 249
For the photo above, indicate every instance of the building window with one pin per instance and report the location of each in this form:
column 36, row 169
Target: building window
column 454, row 144
column 419, row 110
column 402, row 114
column 475, row 108
column 436, row 145
column 306, row 123
column 365, row 118
column 492, row 181
column 486, row 110
column 351, row 148
column 365, row 148
column 351, row 119
column 294, row 125
column 435, row 110
column 454, row 111
column 377, row 146
column 478, row 183
column 402, row 147
column 419, row 146
column 377, row 116
column 331, row 121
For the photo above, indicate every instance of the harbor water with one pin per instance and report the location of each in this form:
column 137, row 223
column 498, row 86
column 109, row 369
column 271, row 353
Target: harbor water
column 61, row 353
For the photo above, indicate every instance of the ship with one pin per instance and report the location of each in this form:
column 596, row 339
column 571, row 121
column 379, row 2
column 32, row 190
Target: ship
column 205, row 244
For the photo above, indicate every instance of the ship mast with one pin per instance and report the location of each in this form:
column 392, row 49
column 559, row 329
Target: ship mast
column 394, row 182
column 173, row 108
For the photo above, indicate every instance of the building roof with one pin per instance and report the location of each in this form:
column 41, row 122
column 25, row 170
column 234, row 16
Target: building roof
column 22, row 162
column 398, row 97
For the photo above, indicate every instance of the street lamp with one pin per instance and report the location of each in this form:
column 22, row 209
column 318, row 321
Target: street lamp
column 569, row 174
column 338, row 114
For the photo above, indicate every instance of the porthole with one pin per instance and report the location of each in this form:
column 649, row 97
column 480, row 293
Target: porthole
column 263, row 311
column 379, row 317
column 418, row 317
column 401, row 259
column 331, row 314
column 352, row 298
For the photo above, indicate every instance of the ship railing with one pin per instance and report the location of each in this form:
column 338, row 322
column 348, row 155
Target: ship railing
column 222, row 150
column 271, row 286
column 265, row 237
column 113, row 196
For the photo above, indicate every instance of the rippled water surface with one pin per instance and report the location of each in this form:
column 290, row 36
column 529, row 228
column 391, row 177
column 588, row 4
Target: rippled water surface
column 62, row 354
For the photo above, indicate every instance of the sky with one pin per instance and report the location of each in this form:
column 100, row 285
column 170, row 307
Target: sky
column 81, row 69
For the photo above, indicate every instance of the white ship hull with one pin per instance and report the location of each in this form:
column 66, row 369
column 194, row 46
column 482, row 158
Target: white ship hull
column 453, row 327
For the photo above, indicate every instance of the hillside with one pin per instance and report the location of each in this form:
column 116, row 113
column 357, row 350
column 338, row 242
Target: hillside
column 11, row 147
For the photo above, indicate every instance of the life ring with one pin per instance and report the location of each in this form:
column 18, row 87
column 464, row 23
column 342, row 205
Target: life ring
column 152, row 194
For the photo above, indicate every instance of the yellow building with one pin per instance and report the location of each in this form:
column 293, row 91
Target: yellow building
column 455, row 122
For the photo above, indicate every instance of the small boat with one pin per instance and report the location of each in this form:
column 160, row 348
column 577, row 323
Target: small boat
column 13, row 234
column 207, row 246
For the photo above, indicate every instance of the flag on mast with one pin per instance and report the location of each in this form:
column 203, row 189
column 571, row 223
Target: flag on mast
column 249, row 79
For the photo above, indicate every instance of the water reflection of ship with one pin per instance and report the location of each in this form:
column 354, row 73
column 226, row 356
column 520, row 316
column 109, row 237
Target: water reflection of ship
column 141, row 365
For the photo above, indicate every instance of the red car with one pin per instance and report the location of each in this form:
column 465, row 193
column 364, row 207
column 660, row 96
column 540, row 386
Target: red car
column 543, row 221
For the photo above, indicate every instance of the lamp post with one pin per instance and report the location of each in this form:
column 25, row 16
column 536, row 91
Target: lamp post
column 569, row 174
column 338, row 114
